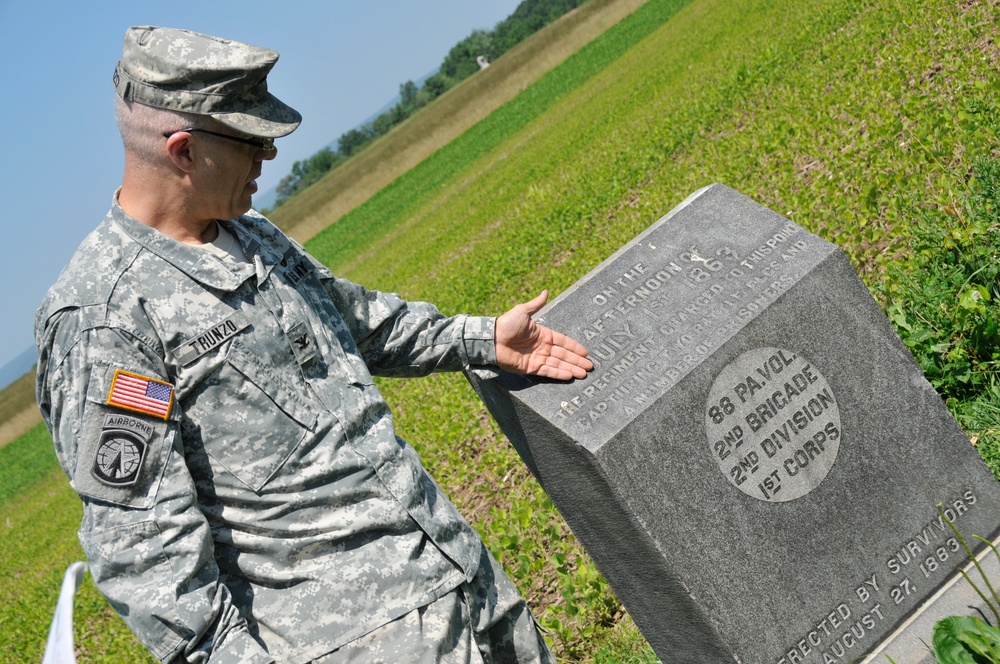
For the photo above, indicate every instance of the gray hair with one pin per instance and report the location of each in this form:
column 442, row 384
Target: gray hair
column 142, row 127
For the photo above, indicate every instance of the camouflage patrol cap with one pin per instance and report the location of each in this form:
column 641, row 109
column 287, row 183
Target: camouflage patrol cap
column 190, row 72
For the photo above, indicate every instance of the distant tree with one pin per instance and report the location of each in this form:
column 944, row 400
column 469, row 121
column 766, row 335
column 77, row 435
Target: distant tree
column 460, row 63
column 306, row 172
column 351, row 141
column 383, row 123
column 436, row 85
column 529, row 17
column 408, row 95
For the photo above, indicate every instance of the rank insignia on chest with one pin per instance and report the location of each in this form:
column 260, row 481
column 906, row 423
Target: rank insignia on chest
column 141, row 394
column 302, row 343
column 122, row 449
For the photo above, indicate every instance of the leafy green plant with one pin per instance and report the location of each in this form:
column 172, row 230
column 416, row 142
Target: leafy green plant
column 943, row 300
column 966, row 640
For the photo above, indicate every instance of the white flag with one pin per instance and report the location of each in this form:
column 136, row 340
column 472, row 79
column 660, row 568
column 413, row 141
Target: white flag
column 59, row 647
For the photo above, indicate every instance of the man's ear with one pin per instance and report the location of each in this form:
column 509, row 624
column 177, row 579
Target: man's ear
column 180, row 150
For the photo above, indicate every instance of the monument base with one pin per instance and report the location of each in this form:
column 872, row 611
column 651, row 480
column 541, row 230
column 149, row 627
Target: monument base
column 911, row 642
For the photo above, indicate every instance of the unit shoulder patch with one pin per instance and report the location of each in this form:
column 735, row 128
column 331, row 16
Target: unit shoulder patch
column 121, row 450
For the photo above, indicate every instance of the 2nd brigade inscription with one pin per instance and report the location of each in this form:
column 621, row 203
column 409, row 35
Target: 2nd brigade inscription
column 773, row 424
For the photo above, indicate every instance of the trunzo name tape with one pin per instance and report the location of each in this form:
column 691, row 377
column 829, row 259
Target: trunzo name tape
column 211, row 338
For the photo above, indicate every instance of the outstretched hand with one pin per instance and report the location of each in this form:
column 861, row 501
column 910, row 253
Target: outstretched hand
column 523, row 346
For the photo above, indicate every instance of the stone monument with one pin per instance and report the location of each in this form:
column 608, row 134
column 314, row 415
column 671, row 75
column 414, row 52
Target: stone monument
column 756, row 461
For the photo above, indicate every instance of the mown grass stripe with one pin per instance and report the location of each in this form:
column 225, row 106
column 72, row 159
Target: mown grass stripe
column 357, row 228
column 26, row 462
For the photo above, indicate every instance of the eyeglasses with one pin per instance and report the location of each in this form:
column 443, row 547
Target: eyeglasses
column 265, row 144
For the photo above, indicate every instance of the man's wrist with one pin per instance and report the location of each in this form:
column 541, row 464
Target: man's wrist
column 479, row 339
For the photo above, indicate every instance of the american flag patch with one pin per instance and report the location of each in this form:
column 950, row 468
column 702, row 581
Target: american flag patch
column 141, row 394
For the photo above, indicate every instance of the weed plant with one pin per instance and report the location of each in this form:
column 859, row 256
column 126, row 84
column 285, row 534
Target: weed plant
column 968, row 639
column 943, row 299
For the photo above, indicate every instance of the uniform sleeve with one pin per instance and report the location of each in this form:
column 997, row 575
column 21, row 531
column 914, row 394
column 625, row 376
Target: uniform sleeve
column 147, row 543
column 399, row 338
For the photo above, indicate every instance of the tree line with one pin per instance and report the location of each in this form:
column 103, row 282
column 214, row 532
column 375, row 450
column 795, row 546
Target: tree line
column 460, row 63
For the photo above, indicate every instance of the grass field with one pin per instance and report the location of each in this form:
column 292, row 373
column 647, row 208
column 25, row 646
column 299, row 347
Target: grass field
column 854, row 118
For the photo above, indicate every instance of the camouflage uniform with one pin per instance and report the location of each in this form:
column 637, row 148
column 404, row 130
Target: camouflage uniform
column 249, row 499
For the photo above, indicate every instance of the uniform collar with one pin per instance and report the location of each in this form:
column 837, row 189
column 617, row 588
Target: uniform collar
column 203, row 266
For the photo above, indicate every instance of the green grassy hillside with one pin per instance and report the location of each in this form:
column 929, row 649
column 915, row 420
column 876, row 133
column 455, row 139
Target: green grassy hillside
column 18, row 412
column 855, row 118
column 447, row 117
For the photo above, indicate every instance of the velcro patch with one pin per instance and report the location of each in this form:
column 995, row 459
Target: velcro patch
column 121, row 451
column 296, row 267
column 302, row 343
column 211, row 338
column 141, row 394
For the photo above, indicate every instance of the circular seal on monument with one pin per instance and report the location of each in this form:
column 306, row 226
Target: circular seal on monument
column 773, row 424
column 118, row 459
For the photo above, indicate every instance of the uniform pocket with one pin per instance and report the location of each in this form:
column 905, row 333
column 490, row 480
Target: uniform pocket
column 130, row 568
column 248, row 418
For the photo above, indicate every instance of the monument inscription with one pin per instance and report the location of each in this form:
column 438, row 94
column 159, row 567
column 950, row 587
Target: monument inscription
column 696, row 298
column 773, row 424
column 755, row 462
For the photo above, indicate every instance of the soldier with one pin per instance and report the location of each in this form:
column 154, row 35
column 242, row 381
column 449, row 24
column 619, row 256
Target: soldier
column 208, row 387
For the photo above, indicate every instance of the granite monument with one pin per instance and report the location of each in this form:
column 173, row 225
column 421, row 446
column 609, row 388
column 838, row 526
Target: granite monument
column 756, row 462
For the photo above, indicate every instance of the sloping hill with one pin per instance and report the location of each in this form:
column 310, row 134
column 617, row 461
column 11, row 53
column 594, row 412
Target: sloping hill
column 18, row 411
column 851, row 117
column 354, row 182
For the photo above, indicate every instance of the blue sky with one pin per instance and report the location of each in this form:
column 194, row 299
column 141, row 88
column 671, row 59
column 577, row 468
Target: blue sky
column 340, row 62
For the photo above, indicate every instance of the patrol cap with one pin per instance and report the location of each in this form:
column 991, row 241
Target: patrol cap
column 185, row 71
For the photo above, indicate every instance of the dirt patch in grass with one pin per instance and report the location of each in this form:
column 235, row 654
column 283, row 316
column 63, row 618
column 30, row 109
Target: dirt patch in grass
column 18, row 411
column 19, row 424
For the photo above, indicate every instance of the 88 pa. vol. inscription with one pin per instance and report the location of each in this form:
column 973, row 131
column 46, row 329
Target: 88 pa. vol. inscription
column 773, row 424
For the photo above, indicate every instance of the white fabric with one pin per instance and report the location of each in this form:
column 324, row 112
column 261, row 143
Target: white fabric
column 225, row 245
column 59, row 647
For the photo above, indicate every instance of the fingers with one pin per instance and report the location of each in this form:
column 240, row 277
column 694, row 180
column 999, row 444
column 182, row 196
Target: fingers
column 559, row 356
column 532, row 307
column 564, row 369
column 559, row 372
column 570, row 345
column 574, row 356
column 525, row 346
